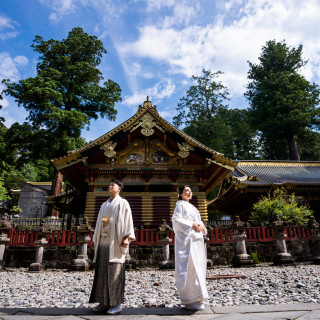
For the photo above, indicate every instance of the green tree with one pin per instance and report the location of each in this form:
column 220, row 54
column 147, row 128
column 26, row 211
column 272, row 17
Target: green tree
column 1, row 118
column 309, row 145
column 66, row 92
column 201, row 112
column 244, row 138
column 286, row 207
column 13, row 179
column 30, row 172
column 3, row 191
column 205, row 117
column 283, row 103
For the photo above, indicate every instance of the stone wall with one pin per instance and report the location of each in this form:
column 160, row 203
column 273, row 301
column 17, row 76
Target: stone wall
column 151, row 256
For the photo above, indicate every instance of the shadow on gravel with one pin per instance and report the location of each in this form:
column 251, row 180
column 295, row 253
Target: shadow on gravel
column 88, row 311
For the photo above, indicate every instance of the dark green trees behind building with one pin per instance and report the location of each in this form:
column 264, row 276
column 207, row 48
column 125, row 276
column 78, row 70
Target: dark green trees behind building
column 281, row 123
column 205, row 116
column 283, row 104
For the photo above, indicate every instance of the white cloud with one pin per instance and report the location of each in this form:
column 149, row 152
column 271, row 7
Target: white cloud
column 8, row 66
column 59, row 8
column 158, row 4
column 161, row 90
column 106, row 9
column 7, row 29
column 9, row 70
column 227, row 45
column 20, row 60
column 165, row 114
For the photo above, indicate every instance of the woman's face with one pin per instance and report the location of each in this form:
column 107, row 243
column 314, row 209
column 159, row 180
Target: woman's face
column 186, row 194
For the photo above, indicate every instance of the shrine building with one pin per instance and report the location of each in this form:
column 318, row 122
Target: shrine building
column 251, row 180
column 152, row 158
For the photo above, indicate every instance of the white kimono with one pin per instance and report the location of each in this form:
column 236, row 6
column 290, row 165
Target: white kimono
column 190, row 254
column 120, row 225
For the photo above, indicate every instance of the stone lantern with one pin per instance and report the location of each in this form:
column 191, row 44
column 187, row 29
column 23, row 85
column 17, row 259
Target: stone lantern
column 282, row 256
column 313, row 226
column 5, row 227
column 164, row 230
column 82, row 262
column 241, row 258
column 41, row 241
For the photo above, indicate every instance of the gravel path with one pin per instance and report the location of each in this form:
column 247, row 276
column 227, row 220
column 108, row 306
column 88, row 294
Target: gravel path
column 150, row 287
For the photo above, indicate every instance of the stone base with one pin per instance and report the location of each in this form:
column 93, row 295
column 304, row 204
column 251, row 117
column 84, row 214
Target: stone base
column 316, row 260
column 130, row 264
column 244, row 260
column 37, row 267
column 2, row 269
column 209, row 264
column 166, row 265
column 80, row 265
column 283, row 259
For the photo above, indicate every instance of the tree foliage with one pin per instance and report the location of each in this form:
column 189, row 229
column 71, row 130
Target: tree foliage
column 283, row 103
column 66, row 92
column 206, row 117
column 3, row 191
column 286, row 207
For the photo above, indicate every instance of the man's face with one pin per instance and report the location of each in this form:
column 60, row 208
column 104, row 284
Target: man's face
column 114, row 189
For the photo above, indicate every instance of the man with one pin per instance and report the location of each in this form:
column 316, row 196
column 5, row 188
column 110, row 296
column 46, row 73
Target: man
column 112, row 234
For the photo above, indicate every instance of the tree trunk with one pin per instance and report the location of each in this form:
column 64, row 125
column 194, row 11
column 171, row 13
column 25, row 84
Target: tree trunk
column 293, row 148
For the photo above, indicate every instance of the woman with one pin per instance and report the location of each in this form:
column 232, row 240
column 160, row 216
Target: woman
column 190, row 253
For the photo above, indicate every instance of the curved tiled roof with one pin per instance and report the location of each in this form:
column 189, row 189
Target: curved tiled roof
column 276, row 172
column 147, row 107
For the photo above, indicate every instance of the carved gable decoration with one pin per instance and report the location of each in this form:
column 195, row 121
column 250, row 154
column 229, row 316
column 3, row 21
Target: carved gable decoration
column 160, row 157
column 147, row 122
column 134, row 158
column 184, row 149
column 108, row 148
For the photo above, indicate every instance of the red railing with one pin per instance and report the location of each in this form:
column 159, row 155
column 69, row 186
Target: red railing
column 297, row 233
column 150, row 236
column 55, row 238
column 261, row 234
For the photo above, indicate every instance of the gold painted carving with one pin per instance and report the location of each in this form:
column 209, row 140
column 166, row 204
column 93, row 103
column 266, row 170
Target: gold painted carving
column 147, row 125
column 109, row 149
column 147, row 122
column 184, row 149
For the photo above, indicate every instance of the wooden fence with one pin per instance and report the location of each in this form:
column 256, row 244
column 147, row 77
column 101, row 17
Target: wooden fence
column 152, row 237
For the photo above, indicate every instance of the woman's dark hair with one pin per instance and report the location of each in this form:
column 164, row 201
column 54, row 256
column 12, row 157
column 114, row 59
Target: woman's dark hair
column 180, row 190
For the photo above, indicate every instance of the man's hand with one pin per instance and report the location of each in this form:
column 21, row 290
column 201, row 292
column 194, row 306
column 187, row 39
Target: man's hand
column 125, row 242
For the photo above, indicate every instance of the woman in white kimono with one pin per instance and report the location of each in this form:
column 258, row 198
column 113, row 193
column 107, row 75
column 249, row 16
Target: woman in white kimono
column 112, row 234
column 190, row 253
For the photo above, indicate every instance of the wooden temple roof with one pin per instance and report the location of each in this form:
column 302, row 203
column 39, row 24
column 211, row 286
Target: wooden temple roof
column 265, row 173
column 196, row 156
column 217, row 157
column 258, row 177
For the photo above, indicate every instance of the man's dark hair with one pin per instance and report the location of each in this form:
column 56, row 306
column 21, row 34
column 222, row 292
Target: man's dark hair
column 119, row 183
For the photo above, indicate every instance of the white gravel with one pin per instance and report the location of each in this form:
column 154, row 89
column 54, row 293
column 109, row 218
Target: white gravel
column 150, row 287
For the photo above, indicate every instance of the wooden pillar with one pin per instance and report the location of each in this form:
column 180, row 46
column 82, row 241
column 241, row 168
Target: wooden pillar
column 56, row 189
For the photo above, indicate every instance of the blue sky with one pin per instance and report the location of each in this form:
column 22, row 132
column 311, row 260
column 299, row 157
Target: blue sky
column 155, row 46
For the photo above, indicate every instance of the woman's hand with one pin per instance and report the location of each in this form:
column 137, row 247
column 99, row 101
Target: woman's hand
column 197, row 227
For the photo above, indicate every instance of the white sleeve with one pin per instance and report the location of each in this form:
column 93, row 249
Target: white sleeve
column 179, row 223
